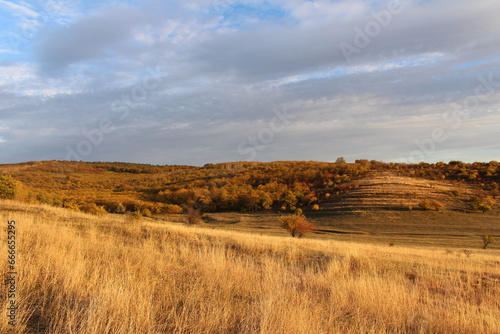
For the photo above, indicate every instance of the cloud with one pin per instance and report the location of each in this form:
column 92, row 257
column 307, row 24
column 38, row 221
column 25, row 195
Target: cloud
column 18, row 10
column 224, row 67
column 87, row 39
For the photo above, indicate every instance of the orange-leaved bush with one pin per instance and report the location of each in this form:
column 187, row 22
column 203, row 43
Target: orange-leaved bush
column 296, row 224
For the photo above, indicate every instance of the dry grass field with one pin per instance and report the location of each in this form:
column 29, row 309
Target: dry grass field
column 81, row 274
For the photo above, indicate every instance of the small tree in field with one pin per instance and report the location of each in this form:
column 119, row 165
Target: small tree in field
column 193, row 216
column 484, row 208
column 488, row 239
column 296, row 225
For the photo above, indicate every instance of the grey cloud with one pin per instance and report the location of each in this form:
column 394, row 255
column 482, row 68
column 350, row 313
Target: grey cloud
column 450, row 27
column 90, row 38
column 217, row 88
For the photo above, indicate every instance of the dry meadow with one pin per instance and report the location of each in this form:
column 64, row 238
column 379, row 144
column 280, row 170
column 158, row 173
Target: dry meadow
column 79, row 273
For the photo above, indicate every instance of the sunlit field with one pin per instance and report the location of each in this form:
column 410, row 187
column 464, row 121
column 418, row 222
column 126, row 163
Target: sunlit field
column 79, row 273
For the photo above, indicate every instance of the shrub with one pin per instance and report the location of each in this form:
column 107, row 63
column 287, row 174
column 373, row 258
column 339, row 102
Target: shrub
column 484, row 208
column 172, row 208
column 296, row 225
column 193, row 216
column 488, row 239
column 120, row 208
column 481, row 204
column 315, row 207
column 146, row 212
column 9, row 187
column 133, row 216
column 456, row 193
column 93, row 208
column 298, row 211
column 489, row 200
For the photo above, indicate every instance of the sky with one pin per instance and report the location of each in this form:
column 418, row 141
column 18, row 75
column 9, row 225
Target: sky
column 209, row 81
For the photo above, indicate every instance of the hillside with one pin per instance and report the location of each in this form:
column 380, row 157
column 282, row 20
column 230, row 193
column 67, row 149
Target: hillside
column 423, row 204
column 250, row 187
column 85, row 274
column 393, row 192
column 377, row 209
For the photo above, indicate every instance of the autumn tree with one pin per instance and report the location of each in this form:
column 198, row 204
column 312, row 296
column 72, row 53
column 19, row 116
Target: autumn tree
column 296, row 224
column 484, row 208
column 483, row 204
column 290, row 200
column 193, row 216
column 488, row 239
column 120, row 208
column 266, row 201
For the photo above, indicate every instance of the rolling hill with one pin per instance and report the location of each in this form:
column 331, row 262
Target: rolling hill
column 430, row 204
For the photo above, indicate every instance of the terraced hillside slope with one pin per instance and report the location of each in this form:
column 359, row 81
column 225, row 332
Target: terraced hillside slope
column 390, row 191
column 384, row 208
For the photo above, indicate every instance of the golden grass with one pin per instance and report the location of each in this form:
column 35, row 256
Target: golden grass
column 83, row 274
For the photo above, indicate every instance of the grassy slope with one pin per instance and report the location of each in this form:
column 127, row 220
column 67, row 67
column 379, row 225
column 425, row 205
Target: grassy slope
column 82, row 274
